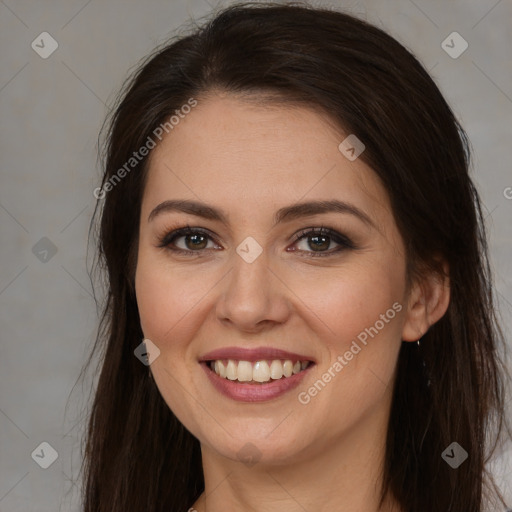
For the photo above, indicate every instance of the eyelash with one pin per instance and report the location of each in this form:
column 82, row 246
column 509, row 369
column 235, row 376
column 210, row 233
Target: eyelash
column 344, row 242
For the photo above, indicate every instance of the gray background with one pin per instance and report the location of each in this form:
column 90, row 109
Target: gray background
column 51, row 111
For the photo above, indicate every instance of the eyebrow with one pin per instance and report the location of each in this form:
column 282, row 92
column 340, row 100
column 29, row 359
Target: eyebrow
column 286, row 213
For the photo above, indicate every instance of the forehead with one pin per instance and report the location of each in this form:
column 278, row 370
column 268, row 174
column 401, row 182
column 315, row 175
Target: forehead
column 248, row 157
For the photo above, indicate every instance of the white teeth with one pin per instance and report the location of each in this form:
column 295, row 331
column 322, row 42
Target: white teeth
column 244, row 371
column 231, row 370
column 222, row 369
column 287, row 368
column 276, row 370
column 260, row 371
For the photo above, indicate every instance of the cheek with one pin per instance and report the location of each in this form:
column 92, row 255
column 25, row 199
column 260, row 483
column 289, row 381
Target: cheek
column 349, row 300
column 168, row 298
column 360, row 313
column 169, row 304
column 159, row 307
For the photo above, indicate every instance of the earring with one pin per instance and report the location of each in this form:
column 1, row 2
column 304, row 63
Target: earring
column 425, row 370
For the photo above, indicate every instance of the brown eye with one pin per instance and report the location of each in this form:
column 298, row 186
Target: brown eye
column 320, row 239
column 191, row 241
column 194, row 240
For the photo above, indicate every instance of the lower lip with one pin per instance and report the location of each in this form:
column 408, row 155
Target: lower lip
column 254, row 392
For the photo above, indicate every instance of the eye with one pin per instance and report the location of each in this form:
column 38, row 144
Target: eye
column 319, row 240
column 195, row 240
column 192, row 241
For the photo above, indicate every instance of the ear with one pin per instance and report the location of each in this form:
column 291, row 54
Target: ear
column 428, row 302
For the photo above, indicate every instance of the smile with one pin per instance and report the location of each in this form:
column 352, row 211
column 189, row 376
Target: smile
column 258, row 372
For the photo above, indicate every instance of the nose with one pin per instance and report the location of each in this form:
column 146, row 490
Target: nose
column 254, row 296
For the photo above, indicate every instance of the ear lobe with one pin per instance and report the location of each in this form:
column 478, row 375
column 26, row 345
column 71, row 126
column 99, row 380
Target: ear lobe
column 428, row 302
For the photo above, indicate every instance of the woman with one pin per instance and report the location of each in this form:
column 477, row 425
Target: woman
column 299, row 312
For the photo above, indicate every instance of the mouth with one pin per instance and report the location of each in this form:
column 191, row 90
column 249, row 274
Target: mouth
column 258, row 372
column 254, row 375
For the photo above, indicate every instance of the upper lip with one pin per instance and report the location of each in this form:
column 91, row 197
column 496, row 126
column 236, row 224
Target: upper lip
column 253, row 354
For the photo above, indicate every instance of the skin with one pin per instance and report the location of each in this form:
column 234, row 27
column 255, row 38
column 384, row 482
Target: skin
column 250, row 160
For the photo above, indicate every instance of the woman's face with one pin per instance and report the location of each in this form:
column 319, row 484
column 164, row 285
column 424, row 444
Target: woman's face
column 243, row 284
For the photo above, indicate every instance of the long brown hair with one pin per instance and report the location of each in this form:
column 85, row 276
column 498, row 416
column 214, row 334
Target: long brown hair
column 137, row 455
